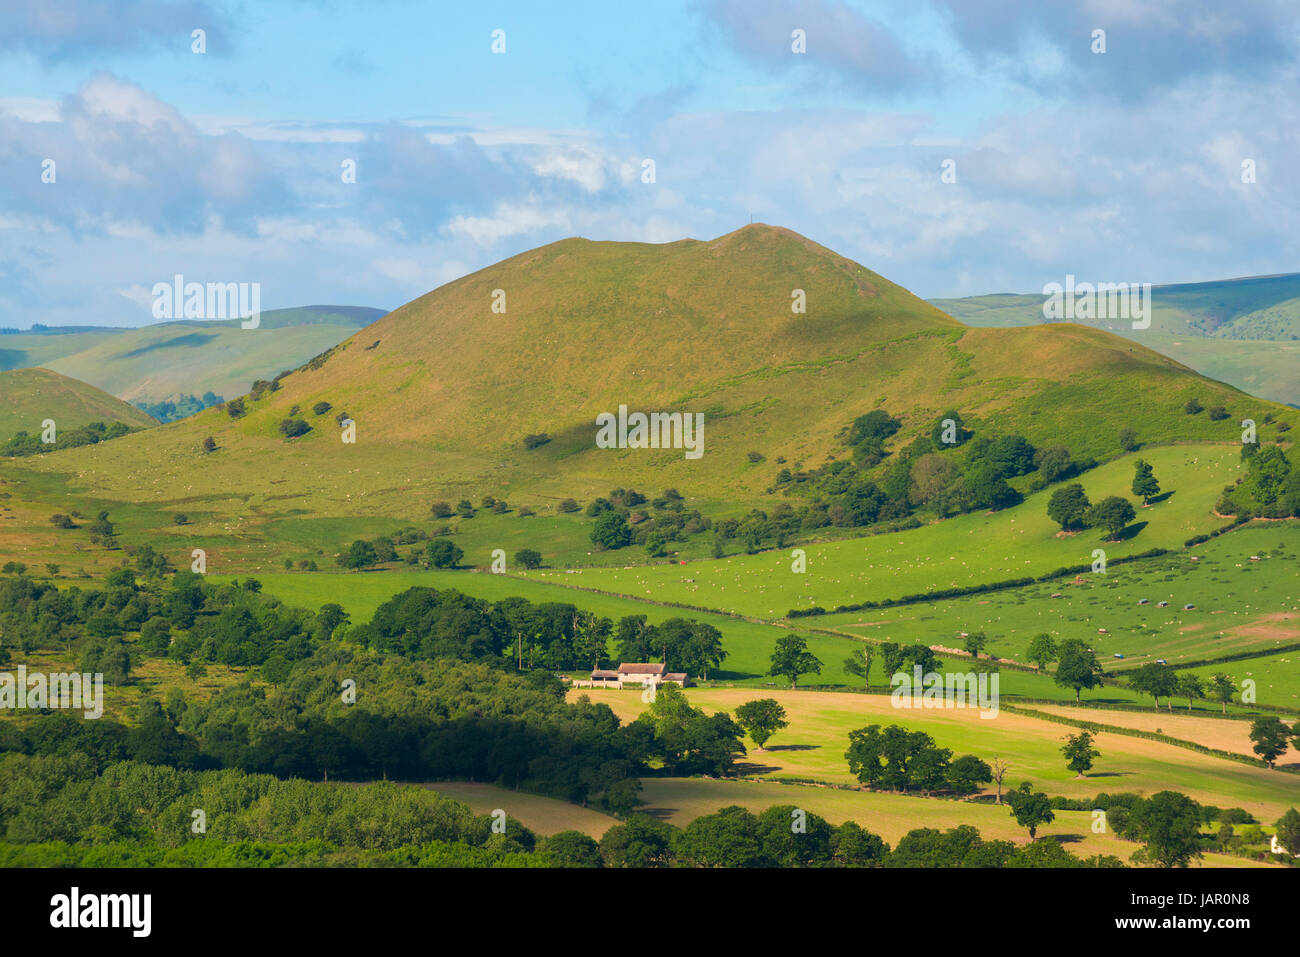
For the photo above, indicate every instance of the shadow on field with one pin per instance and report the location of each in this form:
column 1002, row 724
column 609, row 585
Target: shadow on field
column 1163, row 496
column 659, row 813
column 716, row 676
column 795, row 747
column 1131, row 532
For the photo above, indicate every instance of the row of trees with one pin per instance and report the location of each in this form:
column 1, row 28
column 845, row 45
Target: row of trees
column 1168, row 823
column 627, row 517
column 427, row 623
column 689, row 646
column 439, row 552
column 187, row 619
column 24, row 443
column 1269, row 735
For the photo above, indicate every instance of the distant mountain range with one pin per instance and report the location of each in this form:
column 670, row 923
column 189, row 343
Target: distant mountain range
column 1242, row 331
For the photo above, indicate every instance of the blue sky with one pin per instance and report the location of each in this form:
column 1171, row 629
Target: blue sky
column 225, row 166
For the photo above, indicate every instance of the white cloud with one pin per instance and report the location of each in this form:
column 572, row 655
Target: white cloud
column 409, row 271
column 583, row 167
column 140, row 295
column 107, row 97
column 29, row 109
column 508, row 219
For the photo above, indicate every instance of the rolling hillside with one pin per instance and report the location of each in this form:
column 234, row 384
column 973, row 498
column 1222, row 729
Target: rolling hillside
column 1245, row 332
column 192, row 357
column 29, row 396
column 25, row 349
column 443, row 390
column 1256, row 307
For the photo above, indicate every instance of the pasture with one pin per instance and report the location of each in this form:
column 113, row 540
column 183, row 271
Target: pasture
column 678, row 801
column 966, row 550
column 813, row 747
column 1241, row 606
column 749, row 644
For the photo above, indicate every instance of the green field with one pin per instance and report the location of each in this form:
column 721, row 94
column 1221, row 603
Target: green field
column 443, row 392
column 1276, row 677
column 1241, row 606
column 749, row 644
column 957, row 552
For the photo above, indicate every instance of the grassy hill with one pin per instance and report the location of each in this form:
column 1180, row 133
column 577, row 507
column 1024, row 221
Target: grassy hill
column 190, row 357
column 1259, row 366
column 1242, row 331
column 29, row 396
column 1256, row 307
column 443, row 391
column 24, row 349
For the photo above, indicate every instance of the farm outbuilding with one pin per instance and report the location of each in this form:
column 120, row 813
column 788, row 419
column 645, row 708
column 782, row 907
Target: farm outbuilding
column 636, row 673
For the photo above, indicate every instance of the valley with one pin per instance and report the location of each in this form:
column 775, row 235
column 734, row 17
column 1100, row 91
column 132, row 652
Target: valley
column 878, row 479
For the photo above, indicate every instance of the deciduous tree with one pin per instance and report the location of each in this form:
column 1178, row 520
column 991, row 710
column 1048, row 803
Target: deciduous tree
column 761, row 718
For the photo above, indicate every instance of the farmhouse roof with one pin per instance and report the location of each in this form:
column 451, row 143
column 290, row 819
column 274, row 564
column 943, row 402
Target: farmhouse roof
column 604, row 674
column 641, row 668
column 675, row 676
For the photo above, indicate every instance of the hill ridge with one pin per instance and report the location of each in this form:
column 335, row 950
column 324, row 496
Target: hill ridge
column 444, row 391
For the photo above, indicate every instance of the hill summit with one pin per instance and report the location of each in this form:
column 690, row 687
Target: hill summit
column 548, row 339
column 778, row 342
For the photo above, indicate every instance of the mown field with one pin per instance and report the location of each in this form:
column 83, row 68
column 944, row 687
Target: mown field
column 813, row 748
column 1223, row 733
column 681, row 800
column 542, row 815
